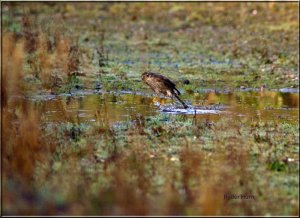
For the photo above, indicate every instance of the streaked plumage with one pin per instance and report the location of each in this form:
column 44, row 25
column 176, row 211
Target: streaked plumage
column 162, row 85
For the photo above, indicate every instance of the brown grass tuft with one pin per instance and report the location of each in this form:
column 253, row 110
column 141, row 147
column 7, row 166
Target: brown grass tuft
column 12, row 75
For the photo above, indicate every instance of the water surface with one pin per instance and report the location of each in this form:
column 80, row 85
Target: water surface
column 88, row 106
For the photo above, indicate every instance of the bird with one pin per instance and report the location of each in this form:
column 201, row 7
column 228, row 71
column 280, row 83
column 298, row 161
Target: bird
column 162, row 85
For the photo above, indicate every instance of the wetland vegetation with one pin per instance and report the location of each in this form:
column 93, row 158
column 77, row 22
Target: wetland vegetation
column 82, row 135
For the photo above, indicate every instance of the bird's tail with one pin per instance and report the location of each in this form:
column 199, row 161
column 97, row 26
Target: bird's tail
column 182, row 102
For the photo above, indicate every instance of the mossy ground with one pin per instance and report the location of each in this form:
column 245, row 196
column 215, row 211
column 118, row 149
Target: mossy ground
column 223, row 45
column 166, row 165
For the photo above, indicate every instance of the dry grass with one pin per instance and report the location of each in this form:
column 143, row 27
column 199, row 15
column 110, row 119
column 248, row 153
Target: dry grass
column 22, row 144
column 13, row 59
column 51, row 56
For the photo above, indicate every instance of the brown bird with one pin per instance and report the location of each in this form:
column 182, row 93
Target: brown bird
column 162, row 85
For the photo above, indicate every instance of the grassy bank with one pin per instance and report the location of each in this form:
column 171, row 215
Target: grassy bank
column 156, row 165
column 221, row 45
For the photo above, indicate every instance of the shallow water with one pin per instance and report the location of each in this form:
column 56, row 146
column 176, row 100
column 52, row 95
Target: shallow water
column 89, row 106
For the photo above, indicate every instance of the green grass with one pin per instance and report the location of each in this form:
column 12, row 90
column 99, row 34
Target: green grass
column 173, row 161
column 211, row 49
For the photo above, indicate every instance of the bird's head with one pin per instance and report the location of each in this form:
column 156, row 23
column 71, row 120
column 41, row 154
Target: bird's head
column 145, row 75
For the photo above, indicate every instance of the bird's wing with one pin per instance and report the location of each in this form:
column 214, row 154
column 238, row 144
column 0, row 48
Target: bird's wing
column 160, row 82
column 178, row 93
column 170, row 84
column 155, row 83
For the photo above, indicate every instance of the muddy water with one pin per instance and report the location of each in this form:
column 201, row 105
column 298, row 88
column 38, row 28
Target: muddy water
column 88, row 106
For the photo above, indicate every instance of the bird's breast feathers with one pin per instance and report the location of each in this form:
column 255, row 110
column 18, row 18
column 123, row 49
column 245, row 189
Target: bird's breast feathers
column 169, row 93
